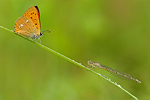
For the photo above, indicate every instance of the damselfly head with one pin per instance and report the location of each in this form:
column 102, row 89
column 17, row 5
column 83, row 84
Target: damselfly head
column 89, row 62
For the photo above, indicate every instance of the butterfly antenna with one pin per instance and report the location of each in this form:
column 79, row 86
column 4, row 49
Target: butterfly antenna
column 46, row 31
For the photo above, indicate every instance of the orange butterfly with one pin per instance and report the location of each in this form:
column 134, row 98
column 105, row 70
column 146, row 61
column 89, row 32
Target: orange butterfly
column 28, row 24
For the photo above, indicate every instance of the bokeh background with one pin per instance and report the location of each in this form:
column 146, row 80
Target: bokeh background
column 113, row 32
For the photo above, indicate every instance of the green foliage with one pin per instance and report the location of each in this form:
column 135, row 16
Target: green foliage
column 112, row 32
column 72, row 61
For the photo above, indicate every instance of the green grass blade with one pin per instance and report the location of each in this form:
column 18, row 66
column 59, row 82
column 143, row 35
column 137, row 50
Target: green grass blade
column 72, row 61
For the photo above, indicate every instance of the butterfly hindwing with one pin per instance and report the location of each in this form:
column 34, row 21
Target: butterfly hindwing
column 24, row 26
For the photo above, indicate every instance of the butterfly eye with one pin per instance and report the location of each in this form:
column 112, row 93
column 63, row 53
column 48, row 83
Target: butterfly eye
column 41, row 34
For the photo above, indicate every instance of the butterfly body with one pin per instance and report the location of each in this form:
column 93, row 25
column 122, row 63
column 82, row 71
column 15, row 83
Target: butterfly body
column 28, row 24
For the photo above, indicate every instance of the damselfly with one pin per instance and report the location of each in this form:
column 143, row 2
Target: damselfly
column 98, row 65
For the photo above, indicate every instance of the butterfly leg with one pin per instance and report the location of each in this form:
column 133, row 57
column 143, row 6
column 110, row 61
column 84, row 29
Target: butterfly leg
column 39, row 40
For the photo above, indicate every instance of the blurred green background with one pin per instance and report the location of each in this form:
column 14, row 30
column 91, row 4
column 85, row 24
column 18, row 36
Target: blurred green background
column 113, row 32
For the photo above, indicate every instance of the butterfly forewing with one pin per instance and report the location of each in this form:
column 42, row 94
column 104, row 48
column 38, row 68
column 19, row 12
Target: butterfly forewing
column 33, row 14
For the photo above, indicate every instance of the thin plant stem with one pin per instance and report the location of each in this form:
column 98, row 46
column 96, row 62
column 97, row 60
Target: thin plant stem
column 72, row 61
